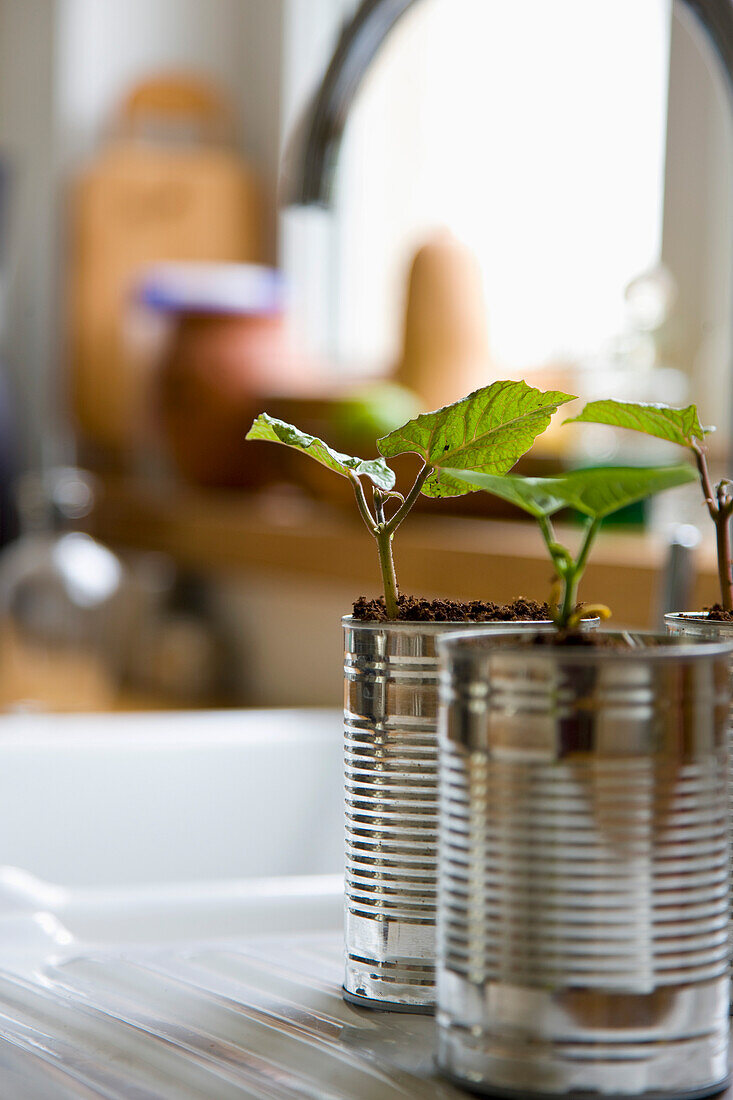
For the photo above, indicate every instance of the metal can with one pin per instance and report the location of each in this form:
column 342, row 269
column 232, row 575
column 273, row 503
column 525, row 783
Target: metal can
column 584, row 875
column 695, row 625
column 391, row 775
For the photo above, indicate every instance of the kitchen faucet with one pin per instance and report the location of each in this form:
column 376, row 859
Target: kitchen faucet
column 310, row 165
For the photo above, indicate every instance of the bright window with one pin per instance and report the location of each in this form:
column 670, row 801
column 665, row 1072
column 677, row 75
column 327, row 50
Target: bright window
column 536, row 133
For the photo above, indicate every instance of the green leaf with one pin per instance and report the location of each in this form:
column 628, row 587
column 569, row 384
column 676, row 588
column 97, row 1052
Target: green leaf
column 677, row 425
column 603, row 490
column 271, row 430
column 596, row 493
column 487, row 431
column 540, row 496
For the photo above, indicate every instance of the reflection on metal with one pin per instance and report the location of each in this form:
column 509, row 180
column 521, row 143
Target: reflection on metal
column 391, row 764
column 583, row 885
column 695, row 625
column 391, row 776
column 313, row 157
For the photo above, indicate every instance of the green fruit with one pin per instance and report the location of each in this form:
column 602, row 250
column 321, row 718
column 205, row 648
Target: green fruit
column 374, row 410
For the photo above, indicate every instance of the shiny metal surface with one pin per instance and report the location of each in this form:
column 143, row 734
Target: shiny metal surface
column 583, row 900
column 692, row 624
column 391, row 767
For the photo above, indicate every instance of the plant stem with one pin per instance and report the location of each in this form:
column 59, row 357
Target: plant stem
column 379, row 506
column 722, row 540
column 386, row 564
column 383, row 530
column 707, row 488
column 590, row 537
column 572, row 578
column 366, row 515
column 409, row 501
column 568, row 571
column 548, row 535
column 383, row 536
column 720, row 511
column 561, row 559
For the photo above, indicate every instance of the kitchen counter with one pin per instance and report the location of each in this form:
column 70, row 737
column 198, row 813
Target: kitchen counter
column 142, row 953
column 228, row 992
column 441, row 556
column 257, row 1015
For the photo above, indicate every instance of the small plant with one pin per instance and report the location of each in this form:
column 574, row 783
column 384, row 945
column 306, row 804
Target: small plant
column 486, row 432
column 681, row 426
column 596, row 494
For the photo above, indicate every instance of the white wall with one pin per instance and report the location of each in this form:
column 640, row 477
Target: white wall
column 698, row 217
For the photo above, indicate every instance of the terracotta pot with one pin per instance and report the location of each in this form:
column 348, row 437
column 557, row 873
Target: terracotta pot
column 210, row 387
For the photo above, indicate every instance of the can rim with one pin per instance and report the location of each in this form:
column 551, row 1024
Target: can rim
column 412, row 626
column 646, row 645
column 698, row 618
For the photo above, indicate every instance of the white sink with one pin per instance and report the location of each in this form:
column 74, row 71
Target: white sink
column 143, row 952
column 134, row 799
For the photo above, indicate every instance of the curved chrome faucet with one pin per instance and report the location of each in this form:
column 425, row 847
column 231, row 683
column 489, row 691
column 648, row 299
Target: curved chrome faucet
column 313, row 156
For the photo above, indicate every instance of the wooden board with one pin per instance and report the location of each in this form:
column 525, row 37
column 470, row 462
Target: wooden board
column 138, row 203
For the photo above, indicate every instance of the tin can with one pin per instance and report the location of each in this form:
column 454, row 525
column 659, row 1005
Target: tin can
column 391, row 775
column 584, row 874
column 694, row 625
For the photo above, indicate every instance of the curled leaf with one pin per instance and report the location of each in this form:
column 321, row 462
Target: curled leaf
column 271, row 430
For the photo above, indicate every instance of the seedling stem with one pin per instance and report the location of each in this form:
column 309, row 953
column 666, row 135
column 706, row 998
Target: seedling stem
column 568, row 570
column 383, row 529
column 720, row 506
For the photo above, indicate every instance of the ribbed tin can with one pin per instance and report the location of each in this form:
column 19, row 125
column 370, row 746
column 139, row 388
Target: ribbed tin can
column 583, row 886
column 391, row 776
column 696, row 625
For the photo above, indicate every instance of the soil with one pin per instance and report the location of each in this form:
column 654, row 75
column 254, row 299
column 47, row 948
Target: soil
column 416, row 610
column 718, row 614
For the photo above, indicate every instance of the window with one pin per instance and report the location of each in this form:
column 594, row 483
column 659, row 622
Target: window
column 571, row 146
column 536, row 133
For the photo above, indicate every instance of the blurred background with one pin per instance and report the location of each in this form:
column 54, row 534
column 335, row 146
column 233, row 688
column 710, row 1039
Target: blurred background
column 191, row 232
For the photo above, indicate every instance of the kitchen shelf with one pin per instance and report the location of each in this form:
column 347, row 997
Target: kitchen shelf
column 234, row 532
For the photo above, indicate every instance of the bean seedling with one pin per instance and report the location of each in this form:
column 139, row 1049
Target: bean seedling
column 681, row 426
column 486, row 432
column 595, row 493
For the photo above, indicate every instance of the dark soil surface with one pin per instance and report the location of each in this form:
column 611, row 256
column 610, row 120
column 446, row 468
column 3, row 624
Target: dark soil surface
column 718, row 614
column 413, row 609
